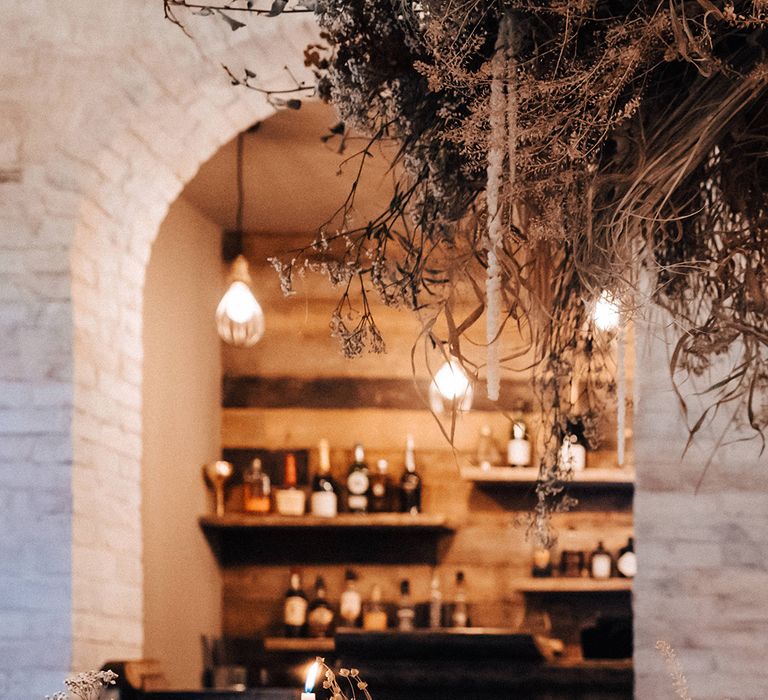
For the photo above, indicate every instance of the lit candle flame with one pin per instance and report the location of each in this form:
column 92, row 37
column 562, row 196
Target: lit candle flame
column 309, row 686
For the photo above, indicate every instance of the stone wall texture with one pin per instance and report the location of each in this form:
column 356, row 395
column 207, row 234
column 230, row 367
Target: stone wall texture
column 701, row 522
column 110, row 110
column 106, row 110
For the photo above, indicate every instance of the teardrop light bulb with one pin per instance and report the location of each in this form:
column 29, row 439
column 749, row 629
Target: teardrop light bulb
column 450, row 386
column 239, row 317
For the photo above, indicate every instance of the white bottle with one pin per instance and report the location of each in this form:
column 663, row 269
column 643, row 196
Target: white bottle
column 351, row 603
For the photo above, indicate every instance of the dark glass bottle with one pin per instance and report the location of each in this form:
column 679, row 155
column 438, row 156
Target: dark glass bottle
column 320, row 614
column 626, row 562
column 410, row 483
column 358, row 483
column 381, row 488
column 295, row 609
column 324, row 500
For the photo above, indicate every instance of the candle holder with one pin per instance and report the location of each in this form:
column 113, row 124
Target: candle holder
column 216, row 474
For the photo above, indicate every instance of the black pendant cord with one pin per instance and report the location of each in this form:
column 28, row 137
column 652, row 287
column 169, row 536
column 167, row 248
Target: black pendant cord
column 240, row 191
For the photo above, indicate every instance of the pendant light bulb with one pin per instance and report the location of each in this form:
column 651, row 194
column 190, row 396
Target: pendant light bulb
column 606, row 314
column 239, row 317
column 450, row 387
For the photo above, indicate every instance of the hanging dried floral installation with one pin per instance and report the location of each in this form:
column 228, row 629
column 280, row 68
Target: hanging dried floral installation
column 551, row 152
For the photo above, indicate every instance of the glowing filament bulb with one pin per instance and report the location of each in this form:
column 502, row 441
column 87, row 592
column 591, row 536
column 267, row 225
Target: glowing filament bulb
column 239, row 318
column 450, row 384
column 606, row 312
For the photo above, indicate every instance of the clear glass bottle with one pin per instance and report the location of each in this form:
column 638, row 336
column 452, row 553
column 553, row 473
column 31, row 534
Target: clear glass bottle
column 320, row 614
column 435, row 603
column 460, row 612
column 381, row 488
column 375, row 615
column 358, row 483
column 257, row 489
column 351, row 603
column 486, row 455
column 410, row 483
column 406, row 613
column 324, row 501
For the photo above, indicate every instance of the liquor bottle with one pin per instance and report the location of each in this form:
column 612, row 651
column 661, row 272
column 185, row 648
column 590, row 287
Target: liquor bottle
column 519, row 446
column 256, row 489
column 459, row 614
column 486, row 454
column 375, row 616
column 381, row 488
column 358, row 483
column 573, row 453
column 410, row 483
column 324, row 500
column 295, row 608
column 351, row 603
column 626, row 562
column 320, row 613
column 435, row 603
column 601, row 563
column 406, row 613
column 290, row 500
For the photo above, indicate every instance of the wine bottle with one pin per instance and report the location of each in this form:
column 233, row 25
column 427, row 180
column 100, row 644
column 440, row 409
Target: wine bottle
column 358, row 483
column 324, row 501
column 626, row 562
column 295, row 608
column 406, row 613
column 320, row 613
column 410, row 483
column 380, row 488
column 350, row 605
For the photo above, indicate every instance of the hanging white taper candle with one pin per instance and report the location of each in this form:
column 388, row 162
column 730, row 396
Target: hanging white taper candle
column 495, row 174
column 621, row 392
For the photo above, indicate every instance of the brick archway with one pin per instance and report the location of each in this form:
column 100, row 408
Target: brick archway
column 104, row 140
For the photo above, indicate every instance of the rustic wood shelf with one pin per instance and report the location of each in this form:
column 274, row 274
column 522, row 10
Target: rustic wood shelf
column 309, row 645
column 343, row 521
column 242, row 538
column 565, row 584
column 513, row 476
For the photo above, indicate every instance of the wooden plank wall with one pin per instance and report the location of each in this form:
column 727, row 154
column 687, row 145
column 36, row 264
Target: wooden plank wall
column 489, row 546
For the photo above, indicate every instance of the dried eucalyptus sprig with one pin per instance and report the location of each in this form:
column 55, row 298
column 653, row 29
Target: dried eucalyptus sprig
column 357, row 690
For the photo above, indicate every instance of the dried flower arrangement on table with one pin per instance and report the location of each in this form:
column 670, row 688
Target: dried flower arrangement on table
column 85, row 686
column 551, row 154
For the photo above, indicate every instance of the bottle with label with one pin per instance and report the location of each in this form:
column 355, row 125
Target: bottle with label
column 410, row 483
column 601, row 563
column 320, row 613
column 358, row 483
column 381, row 488
column 324, row 501
column 573, row 453
column 375, row 615
column 459, row 614
column 295, row 608
column 351, row 604
column 406, row 613
column 435, row 603
column 519, row 446
column 626, row 562
column 257, row 488
column 290, row 500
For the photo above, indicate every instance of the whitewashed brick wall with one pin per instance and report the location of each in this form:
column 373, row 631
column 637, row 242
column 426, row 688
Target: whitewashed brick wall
column 113, row 110
column 702, row 583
